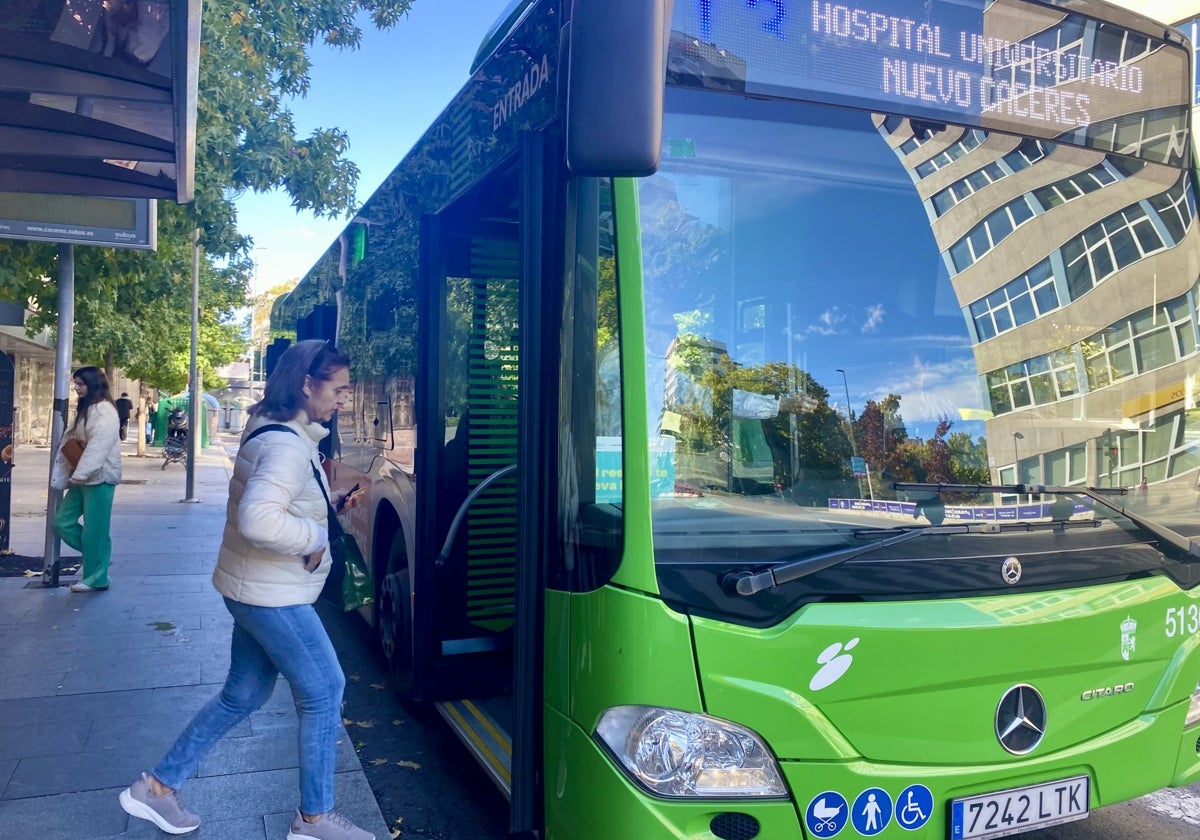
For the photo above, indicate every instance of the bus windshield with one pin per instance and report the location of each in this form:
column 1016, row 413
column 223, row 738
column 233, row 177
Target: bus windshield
column 839, row 301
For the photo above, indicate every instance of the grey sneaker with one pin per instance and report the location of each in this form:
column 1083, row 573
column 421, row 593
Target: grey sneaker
column 332, row 826
column 166, row 812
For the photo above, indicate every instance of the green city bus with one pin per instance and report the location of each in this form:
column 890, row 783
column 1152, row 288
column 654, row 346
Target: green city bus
column 779, row 419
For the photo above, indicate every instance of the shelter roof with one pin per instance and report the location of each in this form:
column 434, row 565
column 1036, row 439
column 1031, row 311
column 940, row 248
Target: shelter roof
column 98, row 97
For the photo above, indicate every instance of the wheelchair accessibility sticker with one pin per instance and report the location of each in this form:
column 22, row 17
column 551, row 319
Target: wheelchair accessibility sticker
column 914, row 807
column 827, row 814
column 872, row 812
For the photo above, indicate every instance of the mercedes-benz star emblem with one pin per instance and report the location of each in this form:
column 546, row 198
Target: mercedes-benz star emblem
column 1021, row 719
column 1011, row 570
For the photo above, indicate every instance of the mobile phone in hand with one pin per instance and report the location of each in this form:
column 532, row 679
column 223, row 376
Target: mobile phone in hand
column 342, row 501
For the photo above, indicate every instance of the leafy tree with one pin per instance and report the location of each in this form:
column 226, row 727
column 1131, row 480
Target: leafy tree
column 969, row 459
column 939, row 467
column 133, row 308
column 883, row 442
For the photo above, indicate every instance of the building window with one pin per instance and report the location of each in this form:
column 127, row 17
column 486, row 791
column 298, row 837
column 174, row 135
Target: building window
column 1147, row 340
column 1068, row 189
column 1160, row 134
column 1105, row 248
column 968, row 250
column 1018, row 302
column 970, row 140
column 1025, row 155
column 990, row 232
column 1066, row 466
column 1041, row 380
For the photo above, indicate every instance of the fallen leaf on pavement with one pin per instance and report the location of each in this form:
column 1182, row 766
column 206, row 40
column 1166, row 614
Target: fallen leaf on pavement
column 410, row 764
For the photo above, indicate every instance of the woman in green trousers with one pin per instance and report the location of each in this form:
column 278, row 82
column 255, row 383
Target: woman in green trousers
column 90, row 484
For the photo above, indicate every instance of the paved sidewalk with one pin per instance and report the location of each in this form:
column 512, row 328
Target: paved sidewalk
column 95, row 687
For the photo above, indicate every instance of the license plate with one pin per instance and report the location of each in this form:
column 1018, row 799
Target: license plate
column 1016, row 810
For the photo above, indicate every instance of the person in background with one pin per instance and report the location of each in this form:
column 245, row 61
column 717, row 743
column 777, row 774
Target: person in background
column 91, row 484
column 271, row 568
column 124, row 409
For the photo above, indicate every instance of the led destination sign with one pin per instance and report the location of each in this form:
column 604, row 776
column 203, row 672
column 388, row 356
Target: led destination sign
column 1017, row 64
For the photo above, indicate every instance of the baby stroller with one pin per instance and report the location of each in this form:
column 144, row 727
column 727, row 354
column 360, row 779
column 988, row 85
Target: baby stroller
column 175, row 445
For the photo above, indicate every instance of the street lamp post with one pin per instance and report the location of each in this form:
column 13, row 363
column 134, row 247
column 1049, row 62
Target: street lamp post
column 1016, row 436
column 849, row 412
column 853, row 437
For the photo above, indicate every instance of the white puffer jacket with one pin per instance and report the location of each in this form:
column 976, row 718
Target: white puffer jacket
column 101, row 459
column 275, row 516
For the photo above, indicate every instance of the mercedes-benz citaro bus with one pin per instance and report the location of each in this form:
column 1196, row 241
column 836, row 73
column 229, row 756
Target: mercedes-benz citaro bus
column 779, row 419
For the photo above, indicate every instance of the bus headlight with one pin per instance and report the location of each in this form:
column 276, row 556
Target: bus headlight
column 675, row 753
column 1193, row 715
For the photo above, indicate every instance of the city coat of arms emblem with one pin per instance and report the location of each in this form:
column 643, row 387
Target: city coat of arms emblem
column 1128, row 638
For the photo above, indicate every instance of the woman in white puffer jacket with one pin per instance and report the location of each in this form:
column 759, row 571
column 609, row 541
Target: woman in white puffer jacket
column 92, row 483
column 272, row 565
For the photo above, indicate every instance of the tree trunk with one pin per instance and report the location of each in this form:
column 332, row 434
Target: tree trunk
column 110, row 366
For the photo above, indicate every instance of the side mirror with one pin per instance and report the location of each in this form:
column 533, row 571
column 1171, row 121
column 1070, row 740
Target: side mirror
column 616, row 76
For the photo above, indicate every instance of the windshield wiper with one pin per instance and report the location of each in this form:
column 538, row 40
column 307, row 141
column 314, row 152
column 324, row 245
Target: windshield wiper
column 746, row 582
column 1171, row 537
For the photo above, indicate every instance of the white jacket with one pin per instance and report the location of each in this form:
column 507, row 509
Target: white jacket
column 275, row 516
column 101, row 459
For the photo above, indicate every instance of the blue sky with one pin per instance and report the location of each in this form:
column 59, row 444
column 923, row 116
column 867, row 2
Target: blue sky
column 384, row 95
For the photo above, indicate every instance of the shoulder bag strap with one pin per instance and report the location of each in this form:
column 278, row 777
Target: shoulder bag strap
column 279, row 427
column 270, row 427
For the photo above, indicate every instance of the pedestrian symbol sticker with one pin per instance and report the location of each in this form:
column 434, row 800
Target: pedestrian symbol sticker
column 914, row 807
column 827, row 814
column 872, row 812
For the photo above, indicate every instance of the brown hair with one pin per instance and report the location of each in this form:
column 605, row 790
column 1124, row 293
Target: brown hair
column 97, row 391
column 283, row 396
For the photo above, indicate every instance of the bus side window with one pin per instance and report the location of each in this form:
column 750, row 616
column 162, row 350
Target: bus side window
column 590, row 486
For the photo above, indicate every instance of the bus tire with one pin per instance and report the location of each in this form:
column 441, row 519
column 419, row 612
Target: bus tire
column 393, row 624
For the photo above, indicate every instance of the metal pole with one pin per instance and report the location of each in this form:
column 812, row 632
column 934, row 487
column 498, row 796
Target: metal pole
column 194, row 431
column 58, row 415
column 849, row 413
column 853, row 437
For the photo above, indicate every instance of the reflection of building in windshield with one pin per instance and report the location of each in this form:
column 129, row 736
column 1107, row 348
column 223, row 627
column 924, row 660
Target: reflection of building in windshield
column 720, row 437
column 1080, row 304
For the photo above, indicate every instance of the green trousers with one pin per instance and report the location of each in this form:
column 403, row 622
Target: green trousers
column 92, row 503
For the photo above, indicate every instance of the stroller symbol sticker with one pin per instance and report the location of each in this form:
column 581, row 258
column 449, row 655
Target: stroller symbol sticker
column 827, row 814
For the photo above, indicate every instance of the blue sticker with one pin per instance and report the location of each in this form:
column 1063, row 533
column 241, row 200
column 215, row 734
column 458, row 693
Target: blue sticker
column 872, row 812
column 827, row 814
column 914, row 807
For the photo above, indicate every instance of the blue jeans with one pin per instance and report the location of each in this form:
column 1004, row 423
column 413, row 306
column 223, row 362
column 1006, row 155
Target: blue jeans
column 268, row 641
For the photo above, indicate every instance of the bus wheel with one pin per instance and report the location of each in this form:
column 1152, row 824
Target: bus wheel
column 393, row 623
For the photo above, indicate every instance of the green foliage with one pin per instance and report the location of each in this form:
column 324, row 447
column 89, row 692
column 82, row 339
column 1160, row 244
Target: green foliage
column 892, row 456
column 254, row 56
column 969, row 459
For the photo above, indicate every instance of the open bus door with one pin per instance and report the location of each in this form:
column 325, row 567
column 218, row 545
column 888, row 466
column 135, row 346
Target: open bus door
column 482, row 385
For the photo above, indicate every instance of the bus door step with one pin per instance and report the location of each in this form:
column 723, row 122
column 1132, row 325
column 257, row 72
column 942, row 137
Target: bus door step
column 481, row 644
column 483, row 736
